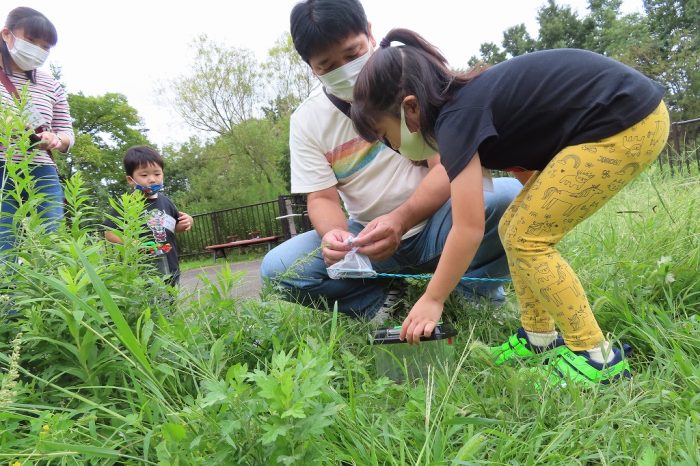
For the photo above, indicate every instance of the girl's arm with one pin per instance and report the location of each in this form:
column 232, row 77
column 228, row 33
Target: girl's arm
column 467, row 231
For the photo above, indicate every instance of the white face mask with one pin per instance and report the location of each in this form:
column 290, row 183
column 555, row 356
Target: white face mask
column 340, row 81
column 26, row 55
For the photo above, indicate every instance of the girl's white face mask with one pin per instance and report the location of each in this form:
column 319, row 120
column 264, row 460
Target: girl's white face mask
column 26, row 55
column 340, row 81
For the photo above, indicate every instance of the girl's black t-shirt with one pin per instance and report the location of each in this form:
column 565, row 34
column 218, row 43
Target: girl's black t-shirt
column 522, row 112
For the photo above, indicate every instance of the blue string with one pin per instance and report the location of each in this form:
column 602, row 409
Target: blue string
column 429, row 276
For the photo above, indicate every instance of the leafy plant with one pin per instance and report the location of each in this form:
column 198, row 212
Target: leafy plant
column 111, row 371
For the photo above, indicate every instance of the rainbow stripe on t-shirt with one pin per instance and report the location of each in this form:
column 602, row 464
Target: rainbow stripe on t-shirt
column 352, row 156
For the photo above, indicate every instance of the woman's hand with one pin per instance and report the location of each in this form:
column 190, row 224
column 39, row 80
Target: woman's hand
column 422, row 319
column 53, row 141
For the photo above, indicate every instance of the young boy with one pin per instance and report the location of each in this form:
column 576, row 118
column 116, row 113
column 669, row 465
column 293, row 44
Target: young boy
column 144, row 171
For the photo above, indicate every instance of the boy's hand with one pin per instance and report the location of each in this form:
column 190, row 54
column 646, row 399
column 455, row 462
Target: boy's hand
column 184, row 222
column 422, row 319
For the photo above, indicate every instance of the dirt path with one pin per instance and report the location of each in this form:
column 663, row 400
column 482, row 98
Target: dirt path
column 247, row 287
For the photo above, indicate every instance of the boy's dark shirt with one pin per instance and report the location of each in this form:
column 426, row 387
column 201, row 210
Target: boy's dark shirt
column 161, row 222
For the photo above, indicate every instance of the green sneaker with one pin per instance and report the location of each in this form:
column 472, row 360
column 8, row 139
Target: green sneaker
column 576, row 367
column 519, row 346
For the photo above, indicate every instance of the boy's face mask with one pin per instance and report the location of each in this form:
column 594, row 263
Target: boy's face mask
column 412, row 145
column 150, row 189
column 26, row 55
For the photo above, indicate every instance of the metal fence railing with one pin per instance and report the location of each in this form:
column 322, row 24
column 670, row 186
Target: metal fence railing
column 682, row 151
column 283, row 217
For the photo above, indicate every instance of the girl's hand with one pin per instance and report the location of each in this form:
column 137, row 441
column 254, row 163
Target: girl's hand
column 422, row 319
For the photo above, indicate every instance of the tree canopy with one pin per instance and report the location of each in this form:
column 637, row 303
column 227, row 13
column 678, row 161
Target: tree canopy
column 105, row 126
column 244, row 105
column 663, row 43
column 241, row 106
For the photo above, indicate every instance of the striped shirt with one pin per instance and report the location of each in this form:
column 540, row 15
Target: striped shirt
column 50, row 101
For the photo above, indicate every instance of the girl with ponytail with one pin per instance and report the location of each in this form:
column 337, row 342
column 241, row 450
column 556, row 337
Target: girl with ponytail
column 575, row 126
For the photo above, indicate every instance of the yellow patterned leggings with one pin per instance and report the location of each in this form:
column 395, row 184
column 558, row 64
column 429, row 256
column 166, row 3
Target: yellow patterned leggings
column 576, row 183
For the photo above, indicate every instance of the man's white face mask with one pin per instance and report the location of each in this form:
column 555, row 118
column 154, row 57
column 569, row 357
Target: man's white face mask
column 340, row 81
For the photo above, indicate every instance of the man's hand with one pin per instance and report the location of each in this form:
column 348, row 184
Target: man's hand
column 334, row 246
column 422, row 319
column 380, row 238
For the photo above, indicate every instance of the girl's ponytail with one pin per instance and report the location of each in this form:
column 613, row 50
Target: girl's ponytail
column 413, row 39
column 414, row 67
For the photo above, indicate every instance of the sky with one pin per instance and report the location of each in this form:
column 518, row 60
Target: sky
column 133, row 47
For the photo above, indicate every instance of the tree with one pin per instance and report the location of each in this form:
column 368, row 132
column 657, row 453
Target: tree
column 202, row 177
column 292, row 81
column 222, row 90
column 560, row 27
column 674, row 28
column 664, row 44
column 288, row 77
column 284, row 168
column 517, row 41
column 602, row 25
column 248, row 159
column 105, row 126
column 490, row 55
column 182, row 165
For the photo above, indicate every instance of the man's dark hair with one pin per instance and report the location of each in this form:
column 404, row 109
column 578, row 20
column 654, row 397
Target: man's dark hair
column 317, row 24
column 35, row 26
column 141, row 156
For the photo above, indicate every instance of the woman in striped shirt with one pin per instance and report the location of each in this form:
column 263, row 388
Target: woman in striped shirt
column 27, row 38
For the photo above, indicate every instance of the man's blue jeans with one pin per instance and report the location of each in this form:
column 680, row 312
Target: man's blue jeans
column 47, row 183
column 298, row 268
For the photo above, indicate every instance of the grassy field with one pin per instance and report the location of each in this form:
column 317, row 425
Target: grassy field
column 98, row 367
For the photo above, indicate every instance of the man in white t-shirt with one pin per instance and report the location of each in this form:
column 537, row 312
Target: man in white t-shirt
column 399, row 212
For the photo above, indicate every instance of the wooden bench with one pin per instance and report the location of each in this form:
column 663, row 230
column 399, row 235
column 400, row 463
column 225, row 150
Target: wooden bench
column 219, row 250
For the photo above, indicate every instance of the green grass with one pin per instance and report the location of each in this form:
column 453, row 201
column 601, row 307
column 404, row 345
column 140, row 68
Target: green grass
column 110, row 372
